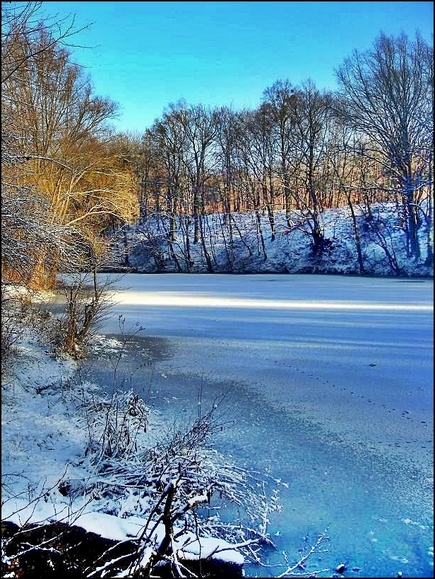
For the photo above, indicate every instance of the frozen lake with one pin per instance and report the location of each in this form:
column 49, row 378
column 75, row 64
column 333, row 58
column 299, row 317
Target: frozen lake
column 328, row 382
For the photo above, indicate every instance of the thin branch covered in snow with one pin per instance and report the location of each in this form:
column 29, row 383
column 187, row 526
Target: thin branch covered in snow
column 298, row 569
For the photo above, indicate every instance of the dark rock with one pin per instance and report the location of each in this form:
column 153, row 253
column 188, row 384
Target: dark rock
column 72, row 552
column 210, row 568
column 73, row 487
column 59, row 550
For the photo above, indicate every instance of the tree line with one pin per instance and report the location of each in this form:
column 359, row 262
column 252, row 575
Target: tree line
column 303, row 150
column 68, row 178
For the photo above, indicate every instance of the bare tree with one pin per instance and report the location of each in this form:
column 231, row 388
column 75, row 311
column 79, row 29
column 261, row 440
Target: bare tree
column 200, row 129
column 312, row 115
column 389, row 99
column 345, row 170
column 280, row 100
column 225, row 139
column 262, row 148
column 170, row 147
column 22, row 18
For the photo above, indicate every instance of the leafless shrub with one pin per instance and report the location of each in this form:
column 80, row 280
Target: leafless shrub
column 114, row 425
column 87, row 304
column 178, row 485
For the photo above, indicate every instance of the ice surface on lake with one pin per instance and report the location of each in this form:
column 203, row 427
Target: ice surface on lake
column 326, row 381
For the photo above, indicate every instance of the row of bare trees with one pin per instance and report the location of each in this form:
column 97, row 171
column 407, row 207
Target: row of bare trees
column 303, row 150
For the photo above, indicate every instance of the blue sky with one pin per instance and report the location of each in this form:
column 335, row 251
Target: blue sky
column 145, row 55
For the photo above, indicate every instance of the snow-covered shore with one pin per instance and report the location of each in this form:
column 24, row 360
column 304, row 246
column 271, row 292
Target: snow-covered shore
column 249, row 246
column 44, row 444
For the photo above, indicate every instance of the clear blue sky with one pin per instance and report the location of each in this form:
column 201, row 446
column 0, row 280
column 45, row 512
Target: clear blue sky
column 145, row 55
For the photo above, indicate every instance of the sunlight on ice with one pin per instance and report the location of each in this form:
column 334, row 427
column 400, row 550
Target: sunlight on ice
column 170, row 299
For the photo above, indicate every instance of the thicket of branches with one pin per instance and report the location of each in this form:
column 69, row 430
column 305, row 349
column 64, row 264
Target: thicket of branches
column 65, row 176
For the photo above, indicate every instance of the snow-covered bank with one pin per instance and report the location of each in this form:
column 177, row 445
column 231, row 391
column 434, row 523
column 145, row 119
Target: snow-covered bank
column 244, row 243
column 48, row 477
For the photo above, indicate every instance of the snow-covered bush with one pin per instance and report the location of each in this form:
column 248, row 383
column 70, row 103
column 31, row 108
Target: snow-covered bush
column 87, row 301
column 178, row 484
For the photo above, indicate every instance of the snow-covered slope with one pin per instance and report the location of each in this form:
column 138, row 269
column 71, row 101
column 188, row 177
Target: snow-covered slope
column 244, row 243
